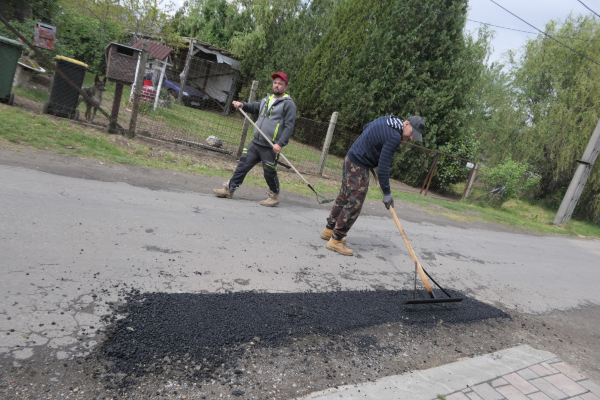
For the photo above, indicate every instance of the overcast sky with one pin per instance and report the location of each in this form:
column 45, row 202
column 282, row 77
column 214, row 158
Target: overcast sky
column 536, row 12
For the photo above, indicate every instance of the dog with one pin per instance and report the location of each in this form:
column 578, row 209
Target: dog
column 94, row 93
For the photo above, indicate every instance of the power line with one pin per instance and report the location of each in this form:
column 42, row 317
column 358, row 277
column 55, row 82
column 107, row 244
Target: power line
column 544, row 33
column 588, row 8
column 533, row 33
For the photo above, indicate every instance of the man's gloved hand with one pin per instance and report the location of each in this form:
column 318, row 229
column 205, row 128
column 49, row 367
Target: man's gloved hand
column 388, row 201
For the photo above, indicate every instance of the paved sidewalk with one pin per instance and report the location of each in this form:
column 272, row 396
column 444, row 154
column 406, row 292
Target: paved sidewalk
column 519, row 373
column 551, row 380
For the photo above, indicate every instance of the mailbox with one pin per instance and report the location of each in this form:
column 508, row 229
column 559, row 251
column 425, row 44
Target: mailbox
column 44, row 36
column 121, row 63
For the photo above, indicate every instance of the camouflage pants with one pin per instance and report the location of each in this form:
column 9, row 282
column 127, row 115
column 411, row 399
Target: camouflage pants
column 345, row 211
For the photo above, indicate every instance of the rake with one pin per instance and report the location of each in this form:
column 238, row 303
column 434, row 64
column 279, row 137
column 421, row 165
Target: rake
column 418, row 268
column 325, row 200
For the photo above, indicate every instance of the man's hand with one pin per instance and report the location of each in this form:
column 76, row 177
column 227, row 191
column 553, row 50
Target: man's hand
column 276, row 148
column 388, row 201
column 237, row 104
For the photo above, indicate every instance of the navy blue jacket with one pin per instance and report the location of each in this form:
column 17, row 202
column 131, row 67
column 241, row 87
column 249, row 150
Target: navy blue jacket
column 376, row 146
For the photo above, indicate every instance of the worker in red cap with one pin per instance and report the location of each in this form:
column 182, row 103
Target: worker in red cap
column 276, row 118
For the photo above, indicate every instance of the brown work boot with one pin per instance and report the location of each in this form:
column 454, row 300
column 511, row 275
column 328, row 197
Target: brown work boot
column 338, row 246
column 225, row 192
column 326, row 235
column 272, row 201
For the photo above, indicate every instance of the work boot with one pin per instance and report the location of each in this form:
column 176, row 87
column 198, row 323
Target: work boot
column 225, row 192
column 326, row 235
column 338, row 246
column 272, row 201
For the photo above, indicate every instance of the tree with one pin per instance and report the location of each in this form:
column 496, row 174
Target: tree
column 402, row 58
column 140, row 18
column 555, row 109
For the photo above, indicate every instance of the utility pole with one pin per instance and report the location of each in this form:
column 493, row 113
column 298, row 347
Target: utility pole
column 579, row 179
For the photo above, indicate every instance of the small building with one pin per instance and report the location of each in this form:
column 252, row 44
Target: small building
column 214, row 71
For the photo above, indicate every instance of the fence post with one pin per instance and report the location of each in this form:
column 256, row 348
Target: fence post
column 139, row 81
column 186, row 70
column 246, row 123
column 472, row 178
column 327, row 143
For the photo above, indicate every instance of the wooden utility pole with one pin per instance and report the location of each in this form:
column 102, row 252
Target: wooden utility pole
column 579, row 179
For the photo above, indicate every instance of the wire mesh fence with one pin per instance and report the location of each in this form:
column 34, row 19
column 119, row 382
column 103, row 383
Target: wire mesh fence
column 189, row 102
column 205, row 117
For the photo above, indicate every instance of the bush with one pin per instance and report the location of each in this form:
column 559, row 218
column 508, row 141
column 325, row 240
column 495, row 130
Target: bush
column 515, row 177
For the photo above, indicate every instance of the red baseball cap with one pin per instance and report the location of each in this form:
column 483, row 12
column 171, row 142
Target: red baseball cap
column 282, row 75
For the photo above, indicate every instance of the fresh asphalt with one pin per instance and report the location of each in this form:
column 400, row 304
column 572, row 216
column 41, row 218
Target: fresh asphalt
column 70, row 244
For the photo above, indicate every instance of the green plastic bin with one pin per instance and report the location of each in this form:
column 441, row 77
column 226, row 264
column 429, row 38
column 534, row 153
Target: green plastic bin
column 10, row 52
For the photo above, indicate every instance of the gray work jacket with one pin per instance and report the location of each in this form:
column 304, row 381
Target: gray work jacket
column 277, row 121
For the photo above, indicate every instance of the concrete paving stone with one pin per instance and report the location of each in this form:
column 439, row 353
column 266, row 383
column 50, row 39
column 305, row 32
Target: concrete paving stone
column 591, row 386
column 549, row 389
column 541, row 370
column 473, row 396
column 566, row 384
column 538, row 396
column 589, row 396
column 569, row 371
column 457, row 396
column 487, row 392
column 499, row 382
column 511, row 393
column 527, row 374
column 554, row 360
column 520, row 383
column 549, row 368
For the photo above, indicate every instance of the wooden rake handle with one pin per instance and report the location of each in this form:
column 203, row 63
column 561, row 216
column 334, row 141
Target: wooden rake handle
column 408, row 246
column 272, row 145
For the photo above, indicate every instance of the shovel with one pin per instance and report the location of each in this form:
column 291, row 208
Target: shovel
column 418, row 268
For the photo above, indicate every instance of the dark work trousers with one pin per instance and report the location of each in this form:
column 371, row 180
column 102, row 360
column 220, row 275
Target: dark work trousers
column 252, row 155
column 345, row 211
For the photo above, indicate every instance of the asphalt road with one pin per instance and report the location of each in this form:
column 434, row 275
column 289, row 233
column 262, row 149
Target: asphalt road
column 70, row 241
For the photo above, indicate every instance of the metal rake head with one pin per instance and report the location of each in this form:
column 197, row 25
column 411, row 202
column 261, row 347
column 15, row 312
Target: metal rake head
column 324, row 201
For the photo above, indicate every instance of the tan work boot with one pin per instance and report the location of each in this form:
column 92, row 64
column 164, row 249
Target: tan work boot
column 338, row 246
column 272, row 201
column 326, row 235
column 225, row 192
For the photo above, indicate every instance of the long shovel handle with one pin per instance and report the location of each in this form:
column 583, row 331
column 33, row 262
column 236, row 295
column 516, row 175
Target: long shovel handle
column 269, row 140
column 408, row 246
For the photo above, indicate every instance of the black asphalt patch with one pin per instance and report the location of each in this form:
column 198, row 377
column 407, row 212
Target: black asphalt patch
column 209, row 329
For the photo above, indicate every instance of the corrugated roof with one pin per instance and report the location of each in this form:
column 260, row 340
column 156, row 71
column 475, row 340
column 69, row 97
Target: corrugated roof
column 156, row 50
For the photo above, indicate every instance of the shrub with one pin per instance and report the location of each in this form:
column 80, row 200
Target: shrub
column 517, row 179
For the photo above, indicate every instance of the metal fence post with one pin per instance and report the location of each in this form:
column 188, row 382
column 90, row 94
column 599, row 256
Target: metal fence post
column 246, row 123
column 186, row 70
column 139, row 81
column 327, row 143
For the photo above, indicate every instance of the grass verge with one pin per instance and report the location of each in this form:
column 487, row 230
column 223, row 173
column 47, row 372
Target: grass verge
column 66, row 137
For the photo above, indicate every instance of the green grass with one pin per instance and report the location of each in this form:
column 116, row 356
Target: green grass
column 39, row 95
column 42, row 132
